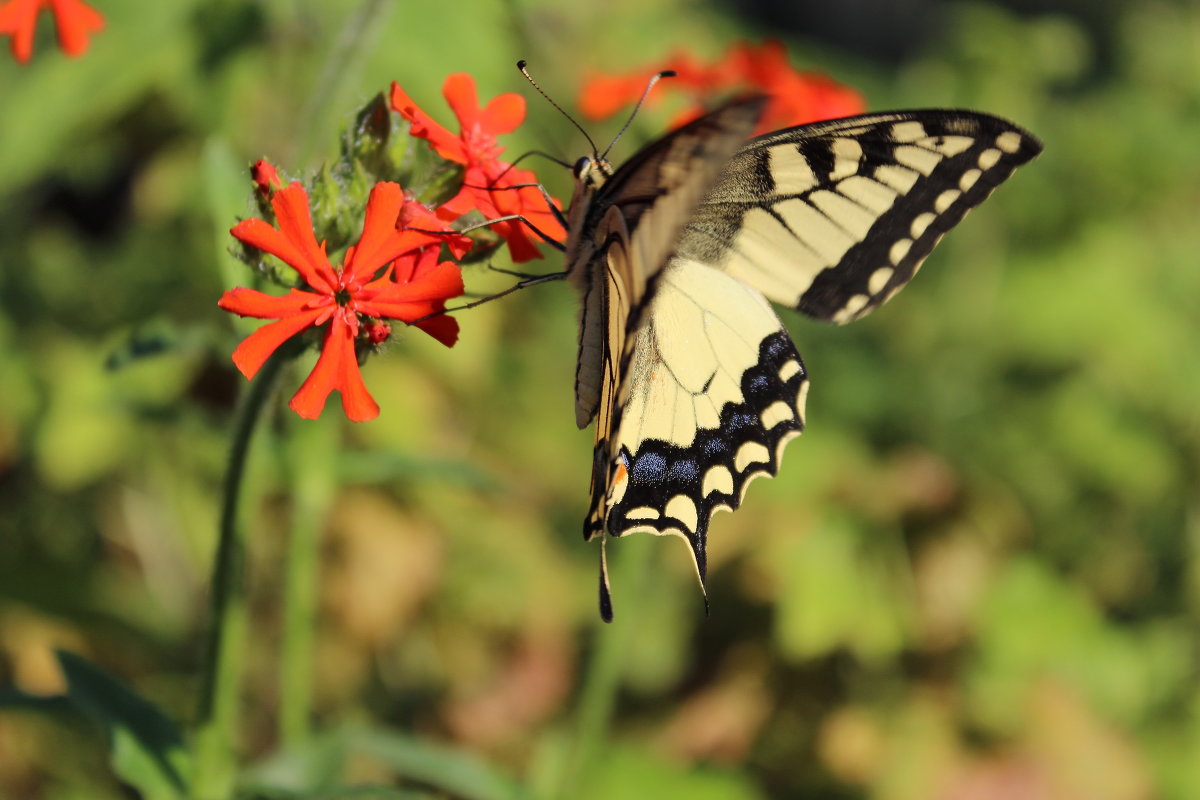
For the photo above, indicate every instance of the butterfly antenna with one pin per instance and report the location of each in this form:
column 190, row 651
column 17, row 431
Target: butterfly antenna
column 521, row 66
column 666, row 73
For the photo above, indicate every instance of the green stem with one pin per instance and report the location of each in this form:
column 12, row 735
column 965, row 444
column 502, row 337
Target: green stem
column 311, row 450
column 603, row 678
column 216, row 729
column 348, row 50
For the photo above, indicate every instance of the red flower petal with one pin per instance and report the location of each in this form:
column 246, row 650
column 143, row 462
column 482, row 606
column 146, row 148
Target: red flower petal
column 795, row 97
column 253, row 303
column 443, row 328
column 380, row 241
column 415, row 215
column 605, row 95
column 293, row 242
column 502, row 198
column 295, row 223
column 18, row 18
column 415, row 299
column 462, row 97
column 503, row 114
column 75, row 20
column 446, row 144
column 337, row 368
column 256, row 348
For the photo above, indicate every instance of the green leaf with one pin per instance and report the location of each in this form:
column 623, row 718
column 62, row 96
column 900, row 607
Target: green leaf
column 450, row 770
column 628, row 771
column 344, row 793
column 146, row 749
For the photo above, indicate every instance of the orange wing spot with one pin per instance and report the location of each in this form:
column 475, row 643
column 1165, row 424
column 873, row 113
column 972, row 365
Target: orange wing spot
column 619, row 481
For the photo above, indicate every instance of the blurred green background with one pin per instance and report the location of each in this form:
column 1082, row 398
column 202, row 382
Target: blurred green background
column 977, row 575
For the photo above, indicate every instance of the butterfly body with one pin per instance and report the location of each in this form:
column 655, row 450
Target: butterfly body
column 692, row 380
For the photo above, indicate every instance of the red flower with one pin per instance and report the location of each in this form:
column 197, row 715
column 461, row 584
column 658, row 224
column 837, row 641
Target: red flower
column 795, row 97
column 344, row 298
column 494, row 187
column 74, row 20
column 265, row 177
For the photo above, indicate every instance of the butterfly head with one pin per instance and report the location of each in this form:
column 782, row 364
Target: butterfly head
column 592, row 171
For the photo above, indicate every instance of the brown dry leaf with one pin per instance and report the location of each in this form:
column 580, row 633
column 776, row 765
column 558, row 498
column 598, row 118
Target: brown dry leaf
column 382, row 565
column 1002, row 777
column 920, row 480
column 1084, row 756
column 950, row 575
column 379, row 565
column 852, row 745
column 28, row 641
column 721, row 721
column 532, row 684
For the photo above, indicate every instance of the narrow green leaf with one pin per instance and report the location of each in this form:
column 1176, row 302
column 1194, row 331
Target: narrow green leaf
column 147, row 750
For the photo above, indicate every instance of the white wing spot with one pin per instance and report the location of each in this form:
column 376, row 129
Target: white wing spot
column 953, row 145
column 945, row 200
column 969, row 177
column 642, row 512
column 908, row 131
column 879, row 279
column 899, row 178
column 920, row 223
column 899, row 250
column 718, row 479
column 788, row 370
column 775, row 413
column 1009, row 141
column 918, row 158
column 802, row 399
column 682, row 508
column 988, row 158
column 849, row 312
column 751, row 453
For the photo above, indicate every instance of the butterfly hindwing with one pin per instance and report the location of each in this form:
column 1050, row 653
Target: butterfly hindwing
column 712, row 389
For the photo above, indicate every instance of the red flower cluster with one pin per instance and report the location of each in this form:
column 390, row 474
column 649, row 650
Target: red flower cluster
column 795, row 97
column 395, row 271
column 497, row 189
column 74, row 19
column 391, row 273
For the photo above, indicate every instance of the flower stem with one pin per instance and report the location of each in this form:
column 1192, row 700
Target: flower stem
column 216, row 728
column 310, row 456
column 342, row 63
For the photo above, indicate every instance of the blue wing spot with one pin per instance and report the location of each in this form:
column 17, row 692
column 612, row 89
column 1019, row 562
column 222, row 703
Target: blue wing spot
column 714, row 448
column 740, row 421
column 757, row 386
column 648, row 468
column 684, row 472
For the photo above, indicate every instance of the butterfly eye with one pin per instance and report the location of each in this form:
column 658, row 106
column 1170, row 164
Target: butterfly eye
column 582, row 166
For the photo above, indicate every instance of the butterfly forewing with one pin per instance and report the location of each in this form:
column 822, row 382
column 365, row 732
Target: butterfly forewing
column 654, row 194
column 834, row 218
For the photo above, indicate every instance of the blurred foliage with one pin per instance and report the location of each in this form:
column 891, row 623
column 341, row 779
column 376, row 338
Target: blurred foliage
column 977, row 575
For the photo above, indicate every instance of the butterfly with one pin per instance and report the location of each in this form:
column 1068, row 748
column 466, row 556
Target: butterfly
column 693, row 382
